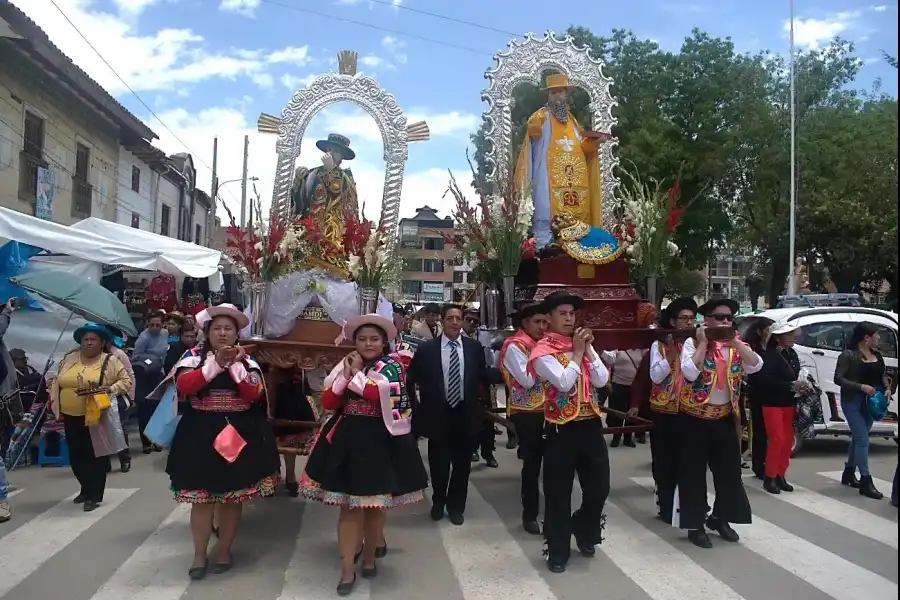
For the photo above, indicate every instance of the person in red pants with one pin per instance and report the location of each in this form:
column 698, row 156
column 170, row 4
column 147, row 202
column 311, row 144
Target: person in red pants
column 775, row 388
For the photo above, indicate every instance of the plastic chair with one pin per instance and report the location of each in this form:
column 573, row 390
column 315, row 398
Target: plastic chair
column 61, row 459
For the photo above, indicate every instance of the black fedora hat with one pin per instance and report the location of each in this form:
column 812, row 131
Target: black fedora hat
column 561, row 298
column 708, row 308
column 674, row 307
column 337, row 142
column 529, row 310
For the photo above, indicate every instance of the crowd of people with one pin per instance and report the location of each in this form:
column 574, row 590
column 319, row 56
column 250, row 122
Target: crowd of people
column 386, row 394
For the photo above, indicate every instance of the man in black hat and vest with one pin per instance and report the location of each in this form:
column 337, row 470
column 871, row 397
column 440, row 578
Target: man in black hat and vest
column 708, row 402
column 571, row 372
column 525, row 405
column 667, row 383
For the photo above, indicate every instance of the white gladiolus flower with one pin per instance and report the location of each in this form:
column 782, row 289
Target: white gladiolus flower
column 258, row 246
column 672, row 247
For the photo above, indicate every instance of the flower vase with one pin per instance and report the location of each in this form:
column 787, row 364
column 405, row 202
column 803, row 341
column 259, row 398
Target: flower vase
column 490, row 308
column 509, row 299
column 367, row 298
column 653, row 290
column 259, row 304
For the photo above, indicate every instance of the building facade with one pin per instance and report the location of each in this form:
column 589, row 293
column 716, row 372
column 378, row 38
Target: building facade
column 727, row 276
column 60, row 132
column 427, row 273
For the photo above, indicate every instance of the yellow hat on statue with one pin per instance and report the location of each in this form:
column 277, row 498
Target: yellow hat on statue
column 556, row 81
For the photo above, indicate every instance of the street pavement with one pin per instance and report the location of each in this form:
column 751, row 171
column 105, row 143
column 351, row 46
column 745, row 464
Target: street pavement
column 823, row 541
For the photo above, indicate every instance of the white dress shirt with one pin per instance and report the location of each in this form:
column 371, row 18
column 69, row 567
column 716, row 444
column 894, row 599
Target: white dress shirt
column 445, row 362
column 659, row 365
column 515, row 361
column 565, row 378
column 691, row 372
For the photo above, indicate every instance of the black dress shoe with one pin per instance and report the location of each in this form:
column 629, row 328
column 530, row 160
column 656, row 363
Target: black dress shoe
column 437, row 513
column 555, row 567
column 79, row 499
column 629, row 443
column 723, row 529
column 90, row 505
column 586, row 550
column 475, row 457
column 771, row 486
column 457, row 519
column 125, row 465
column 699, row 538
column 783, row 485
column 491, row 462
column 292, row 488
column 531, row 527
column 345, row 588
column 511, row 444
column 370, row 572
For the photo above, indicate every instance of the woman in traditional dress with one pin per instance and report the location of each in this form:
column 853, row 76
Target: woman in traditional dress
column 223, row 453
column 365, row 458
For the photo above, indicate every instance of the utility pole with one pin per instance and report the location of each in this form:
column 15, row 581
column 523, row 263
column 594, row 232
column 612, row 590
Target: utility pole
column 244, row 182
column 214, row 187
column 792, row 276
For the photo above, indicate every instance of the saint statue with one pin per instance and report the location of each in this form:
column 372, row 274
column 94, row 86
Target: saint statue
column 559, row 162
column 328, row 193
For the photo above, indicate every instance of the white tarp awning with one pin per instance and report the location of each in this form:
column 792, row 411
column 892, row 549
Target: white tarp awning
column 111, row 244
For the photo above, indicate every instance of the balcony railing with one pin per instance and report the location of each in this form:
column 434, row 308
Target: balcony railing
column 82, row 197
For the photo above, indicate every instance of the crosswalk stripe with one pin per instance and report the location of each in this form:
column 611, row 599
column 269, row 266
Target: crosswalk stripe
column 855, row 519
column 488, row 561
column 835, row 576
column 314, row 568
column 657, row 567
column 24, row 550
column 883, row 486
column 156, row 570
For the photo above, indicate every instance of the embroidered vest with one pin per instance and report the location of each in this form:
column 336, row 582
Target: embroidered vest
column 521, row 399
column 664, row 396
column 694, row 397
column 562, row 408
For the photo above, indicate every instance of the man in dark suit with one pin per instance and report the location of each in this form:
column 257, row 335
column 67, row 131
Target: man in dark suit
column 448, row 373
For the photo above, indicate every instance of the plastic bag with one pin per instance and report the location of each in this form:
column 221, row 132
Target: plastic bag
column 162, row 425
column 878, row 405
column 107, row 436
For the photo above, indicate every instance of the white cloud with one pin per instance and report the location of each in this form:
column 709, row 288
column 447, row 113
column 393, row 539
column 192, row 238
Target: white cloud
column 880, row 8
column 230, row 124
column 167, row 59
column 133, row 7
column 295, row 82
column 395, row 47
column 371, row 5
column 813, row 33
column 246, row 8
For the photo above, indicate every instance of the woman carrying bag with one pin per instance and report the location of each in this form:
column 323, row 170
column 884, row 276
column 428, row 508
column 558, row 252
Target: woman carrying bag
column 88, row 379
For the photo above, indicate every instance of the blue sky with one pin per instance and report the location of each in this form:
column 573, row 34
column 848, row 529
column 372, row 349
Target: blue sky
column 209, row 67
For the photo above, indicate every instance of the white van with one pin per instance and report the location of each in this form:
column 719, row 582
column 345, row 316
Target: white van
column 824, row 332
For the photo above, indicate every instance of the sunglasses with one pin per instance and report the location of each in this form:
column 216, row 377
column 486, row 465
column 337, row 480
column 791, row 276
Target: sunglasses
column 722, row 317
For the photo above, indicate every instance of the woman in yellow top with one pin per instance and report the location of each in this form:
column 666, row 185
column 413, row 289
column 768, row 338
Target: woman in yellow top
column 80, row 370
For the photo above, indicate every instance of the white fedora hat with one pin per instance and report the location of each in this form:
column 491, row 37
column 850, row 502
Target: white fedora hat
column 782, row 327
column 225, row 310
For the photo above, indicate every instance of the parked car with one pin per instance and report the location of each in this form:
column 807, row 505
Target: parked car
column 821, row 339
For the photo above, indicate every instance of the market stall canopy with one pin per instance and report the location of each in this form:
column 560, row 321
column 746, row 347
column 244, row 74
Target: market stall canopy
column 149, row 252
column 202, row 261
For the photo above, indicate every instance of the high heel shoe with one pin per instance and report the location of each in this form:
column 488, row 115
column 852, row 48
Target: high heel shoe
column 783, row 484
column 381, row 551
column 867, row 488
column 771, row 486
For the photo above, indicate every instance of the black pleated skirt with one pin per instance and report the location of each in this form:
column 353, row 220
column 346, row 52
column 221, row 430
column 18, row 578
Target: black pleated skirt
column 363, row 466
column 199, row 474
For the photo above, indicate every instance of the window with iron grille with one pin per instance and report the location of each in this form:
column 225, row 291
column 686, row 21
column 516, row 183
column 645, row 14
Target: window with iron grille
column 31, row 157
column 135, row 220
column 164, row 218
column 82, row 191
column 136, row 179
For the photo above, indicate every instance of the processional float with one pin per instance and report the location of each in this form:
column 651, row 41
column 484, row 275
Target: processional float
column 297, row 317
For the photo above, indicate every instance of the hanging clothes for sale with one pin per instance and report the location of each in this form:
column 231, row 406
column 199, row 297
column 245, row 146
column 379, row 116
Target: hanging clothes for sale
column 114, row 282
column 194, row 294
column 161, row 293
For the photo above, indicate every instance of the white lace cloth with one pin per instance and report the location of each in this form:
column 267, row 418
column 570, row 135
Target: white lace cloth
column 292, row 294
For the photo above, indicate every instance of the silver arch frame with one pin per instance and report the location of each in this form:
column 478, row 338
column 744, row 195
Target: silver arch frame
column 524, row 62
column 366, row 93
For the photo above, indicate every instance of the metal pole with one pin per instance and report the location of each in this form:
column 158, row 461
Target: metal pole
column 214, row 187
column 792, row 276
column 244, row 182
